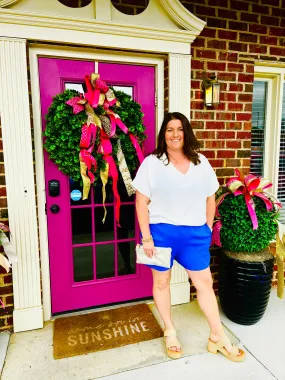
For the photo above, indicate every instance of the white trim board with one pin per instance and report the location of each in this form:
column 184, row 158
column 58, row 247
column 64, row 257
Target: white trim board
column 34, row 53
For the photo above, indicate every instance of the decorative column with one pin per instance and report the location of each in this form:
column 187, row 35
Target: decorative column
column 179, row 100
column 20, row 185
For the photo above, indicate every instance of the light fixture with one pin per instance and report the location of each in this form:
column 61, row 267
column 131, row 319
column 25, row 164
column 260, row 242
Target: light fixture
column 212, row 91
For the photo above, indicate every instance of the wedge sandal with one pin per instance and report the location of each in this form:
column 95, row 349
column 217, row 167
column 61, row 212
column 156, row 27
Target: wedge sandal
column 172, row 341
column 236, row 354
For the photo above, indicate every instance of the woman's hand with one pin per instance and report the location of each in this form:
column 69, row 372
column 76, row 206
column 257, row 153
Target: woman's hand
column 149, row 249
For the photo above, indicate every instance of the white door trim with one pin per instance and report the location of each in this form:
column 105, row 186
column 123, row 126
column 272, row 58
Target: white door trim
column 34, row 53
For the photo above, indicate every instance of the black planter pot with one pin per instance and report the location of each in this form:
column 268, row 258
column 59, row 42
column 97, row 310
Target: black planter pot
column 244, row 285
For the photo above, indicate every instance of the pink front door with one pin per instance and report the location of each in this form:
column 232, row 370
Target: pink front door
column 92, row 263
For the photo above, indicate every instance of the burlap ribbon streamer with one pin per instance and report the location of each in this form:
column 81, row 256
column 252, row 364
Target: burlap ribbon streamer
column 104, row 178
column 124, row 170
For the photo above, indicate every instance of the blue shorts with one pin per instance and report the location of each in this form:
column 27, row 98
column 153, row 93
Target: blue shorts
column 190, row 244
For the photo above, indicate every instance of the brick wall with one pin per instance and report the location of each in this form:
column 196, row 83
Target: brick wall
column 6, row 288
column 130, row 7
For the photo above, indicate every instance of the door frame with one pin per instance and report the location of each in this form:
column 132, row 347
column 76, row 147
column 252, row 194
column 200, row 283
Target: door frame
column 83, row 54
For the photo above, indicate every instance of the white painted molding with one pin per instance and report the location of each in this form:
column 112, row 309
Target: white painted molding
column 103, row 10
column 7, row 3
column 49, row 22
column 180, row 293
column 179, row 83
column 28, row 319
column 182, row 16
column 19, row 173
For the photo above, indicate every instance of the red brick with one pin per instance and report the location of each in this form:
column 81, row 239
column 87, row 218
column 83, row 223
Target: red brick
column 231, row 77
column 227, row 135
column 215, row 144
column 258, row 49
column 215, row 44
column 228, row 14
column 277, row 51
column 239, row 5
column 204, row 11
column 8, row 279
column 243, row 154
column 215, row 125
column 199, row 42
column 268, row 40
column 205, row 135
column 235, row 25
column 249, row 17
column 246, row 78
column 204, row 115
column 260, row 29
column 233, row 163
column 236, row 125
column 249, row 69
column 225, row 172
column 279, row 32
column 217, row 23
column 236, row 87
column 246, row 162
column 197, row 65
column 227, row 35
column 197, row 105
column 3, row 202
column 226, row 153
column 199, row 95
column 207, row 54
column 209, row 153
column 196, row 84
column 247, row 126
column 248, row 107
column 237, row 46
column 235, row 106
column 197, row 124
column 3, row 192
column 216, row 66
column 216, row 163
column 8, row 289
column 246, row 144
column 226, row 96
column 233, row 144
column 228, row 56
column 248, row 37
column 248, row 88
column 270, row 21
column 260, row 9
column 225, row 116
column 244, row 135
column 198, row 74
column 274, row 3
column 219, row 3
column 243, row 116
column 207, row 32
column 235, row 67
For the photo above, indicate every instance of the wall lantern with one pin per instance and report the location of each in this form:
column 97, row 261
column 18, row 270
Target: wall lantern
column 212, row 91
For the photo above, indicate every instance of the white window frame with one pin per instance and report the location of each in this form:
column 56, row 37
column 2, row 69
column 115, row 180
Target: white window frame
column 274, row 76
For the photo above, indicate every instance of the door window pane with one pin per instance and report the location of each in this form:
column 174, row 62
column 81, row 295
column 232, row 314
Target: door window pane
column 129, row 90
column 105, row 261
column 98, row 196
column 74, row 86
column 126, row 258
column 258, row 127
column 127, row 222
column 83, row 264
column 104, row 231
column 281, row 173
column 81, row 225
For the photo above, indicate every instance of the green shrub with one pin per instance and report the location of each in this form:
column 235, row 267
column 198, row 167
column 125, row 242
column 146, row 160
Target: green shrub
column 237, row 232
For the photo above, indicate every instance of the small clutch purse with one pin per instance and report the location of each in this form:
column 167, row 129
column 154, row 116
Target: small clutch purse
column 161, row 257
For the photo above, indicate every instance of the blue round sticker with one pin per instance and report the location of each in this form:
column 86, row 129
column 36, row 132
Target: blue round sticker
column 75, row 195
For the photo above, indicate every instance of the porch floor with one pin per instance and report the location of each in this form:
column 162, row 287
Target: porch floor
column 30, row 357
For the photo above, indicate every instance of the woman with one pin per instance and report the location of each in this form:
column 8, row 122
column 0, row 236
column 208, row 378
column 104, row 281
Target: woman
column 175, row 203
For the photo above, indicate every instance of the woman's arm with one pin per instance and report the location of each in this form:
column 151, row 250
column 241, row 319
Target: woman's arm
column 210, row 210
column 142, row 212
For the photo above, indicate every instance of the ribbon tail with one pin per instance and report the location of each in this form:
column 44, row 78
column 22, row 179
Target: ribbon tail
column 114, row 174
column 216, row 234
column 124, row 170
column 280, row 255
column 219, row 201
column 85, row 178
column 267, row 201
column 137, row 147
column 104, row 178
column 250, row 206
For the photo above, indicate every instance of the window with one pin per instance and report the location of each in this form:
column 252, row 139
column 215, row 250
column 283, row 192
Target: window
column 268, row 129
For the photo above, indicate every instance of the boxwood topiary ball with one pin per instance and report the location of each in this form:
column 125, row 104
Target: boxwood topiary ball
column 237, row 234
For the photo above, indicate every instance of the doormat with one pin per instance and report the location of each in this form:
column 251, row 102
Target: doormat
column 99, row 331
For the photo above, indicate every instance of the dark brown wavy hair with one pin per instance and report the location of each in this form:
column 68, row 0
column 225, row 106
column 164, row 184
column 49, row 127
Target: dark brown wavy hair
column 191, row 145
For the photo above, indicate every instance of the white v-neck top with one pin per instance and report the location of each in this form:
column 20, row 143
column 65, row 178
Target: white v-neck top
column 176, row 198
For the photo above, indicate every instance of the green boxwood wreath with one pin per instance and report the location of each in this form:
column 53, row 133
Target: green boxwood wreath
column 237, row 234
column 63, row 133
